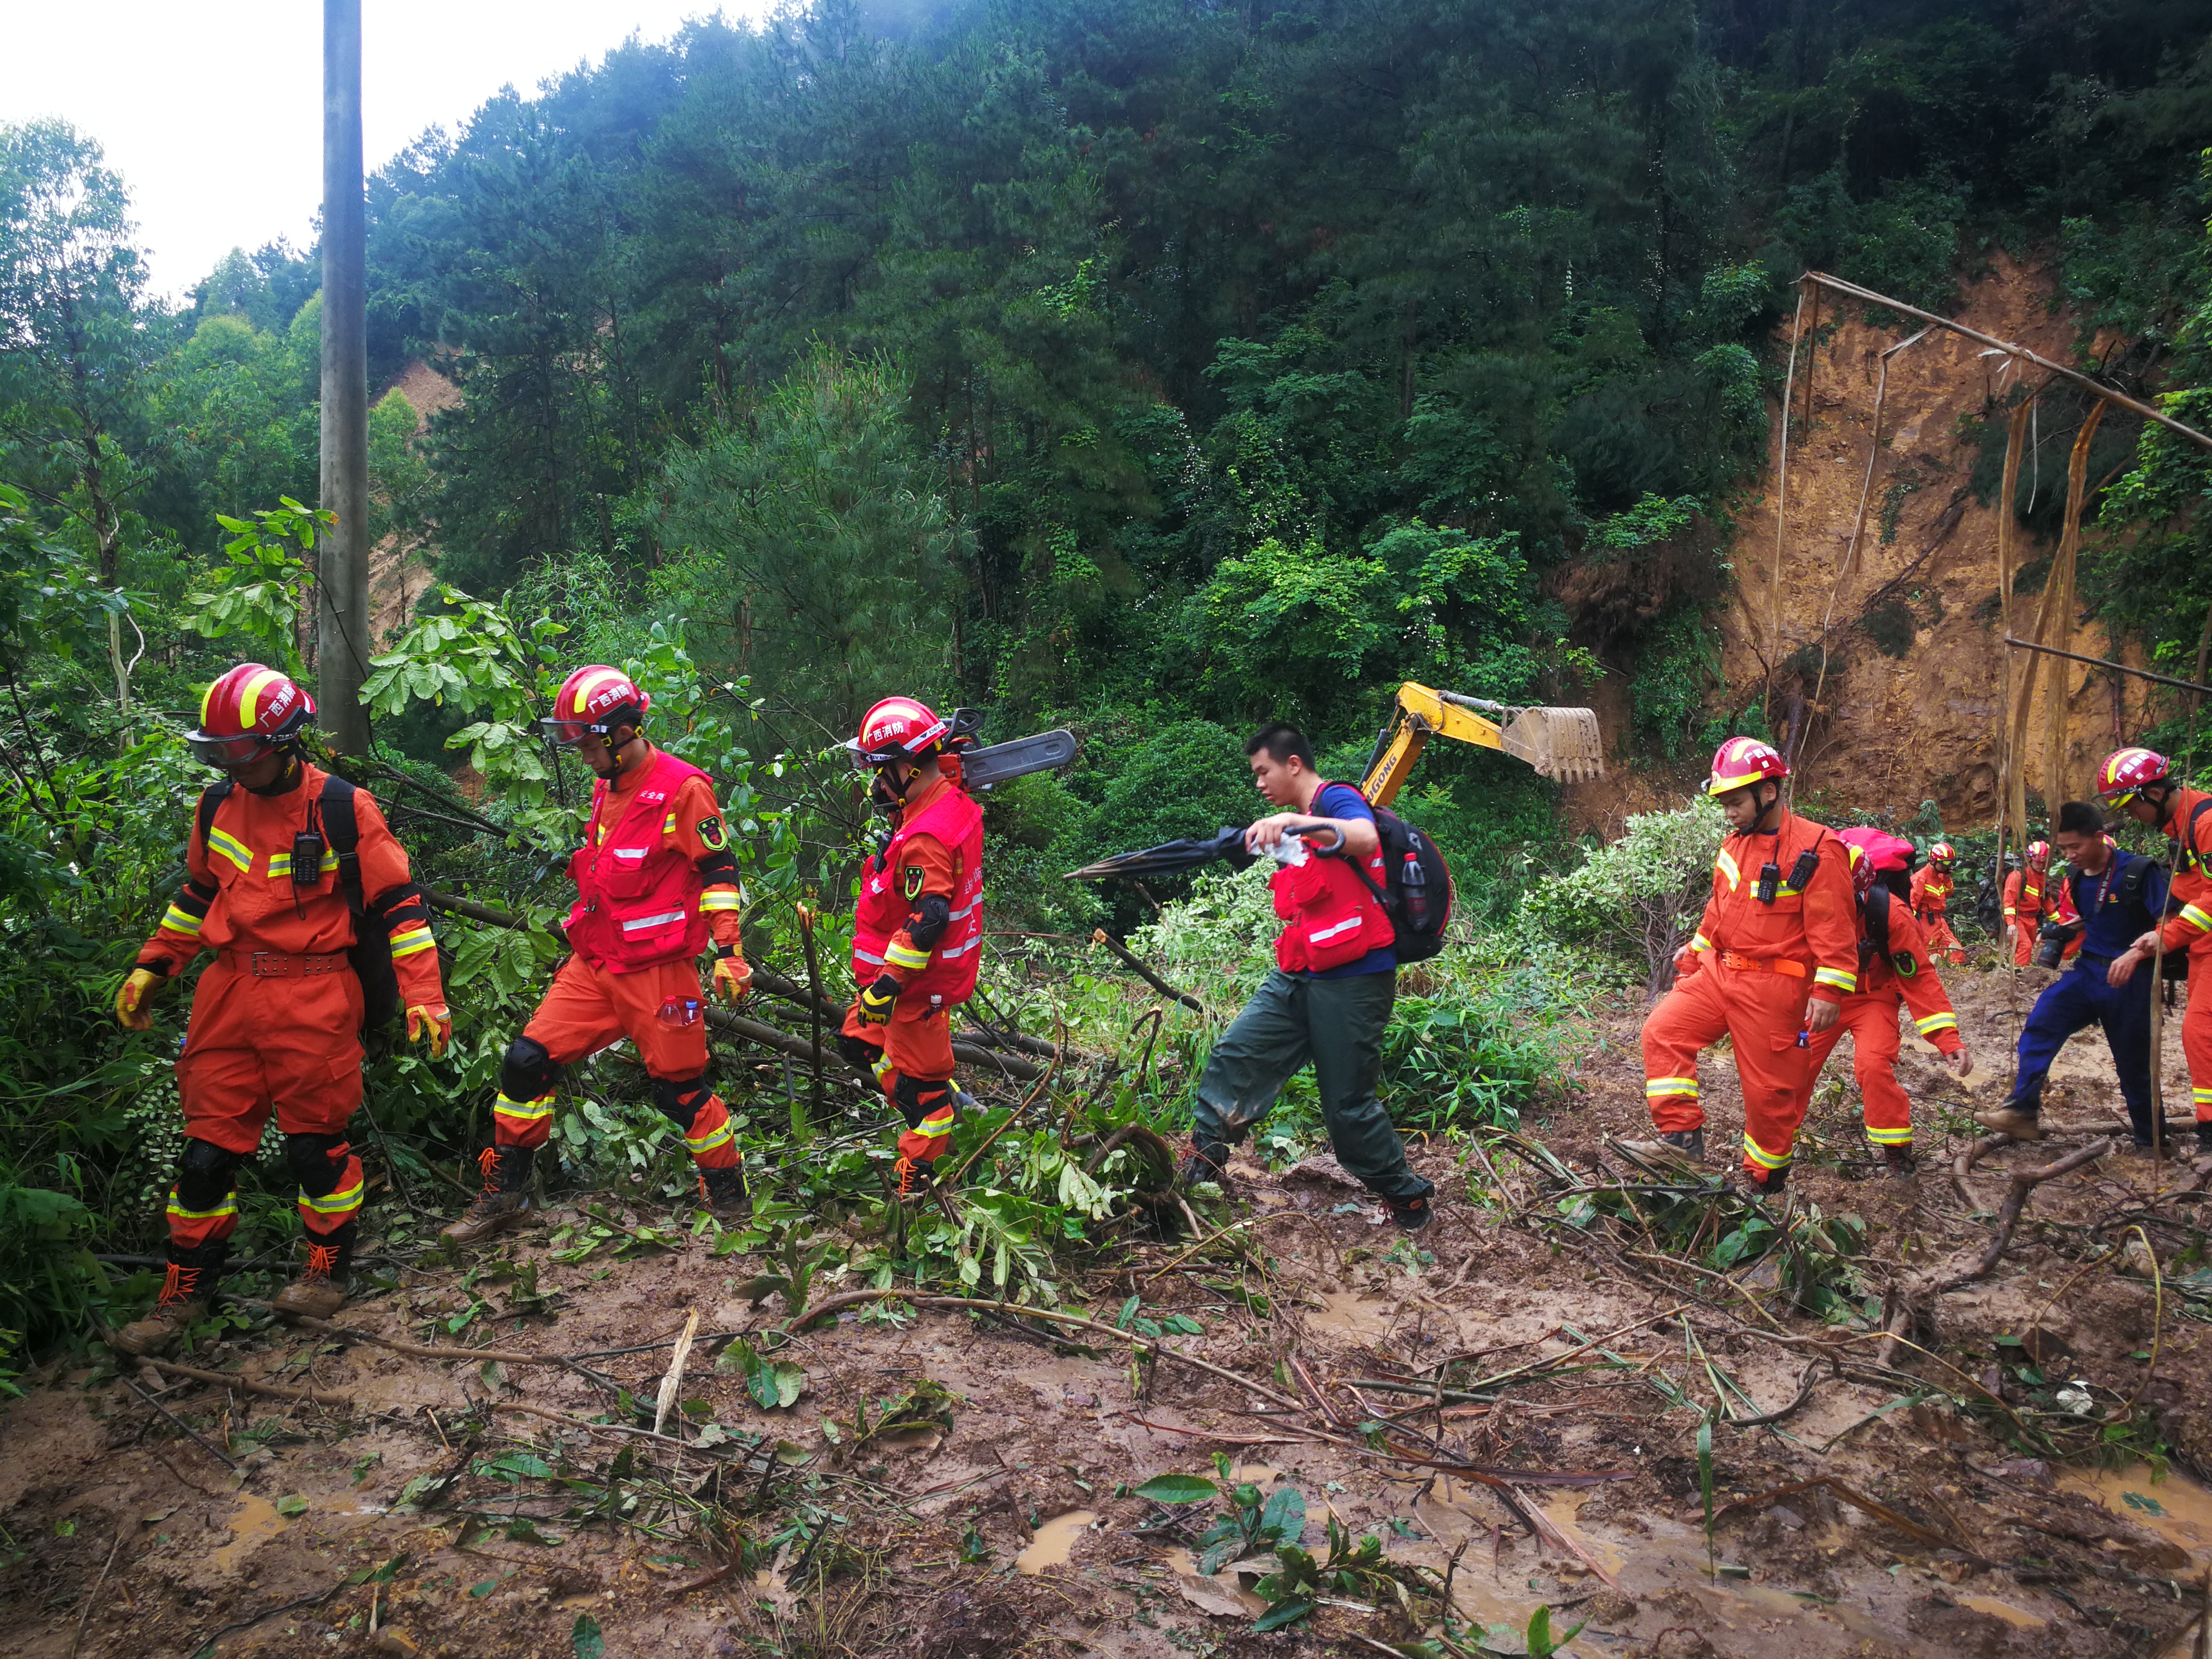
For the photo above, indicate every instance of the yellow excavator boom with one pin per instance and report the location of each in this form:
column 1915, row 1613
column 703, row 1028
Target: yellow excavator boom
column 1560, row 743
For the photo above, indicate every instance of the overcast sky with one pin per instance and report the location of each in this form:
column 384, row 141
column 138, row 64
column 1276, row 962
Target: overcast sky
column 213, row 114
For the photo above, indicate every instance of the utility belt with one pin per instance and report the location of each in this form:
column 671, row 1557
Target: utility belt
column 1743, row 964
column 279, row 964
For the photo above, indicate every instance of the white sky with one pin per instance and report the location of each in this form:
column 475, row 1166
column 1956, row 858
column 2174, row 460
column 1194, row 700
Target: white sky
column 212, row 114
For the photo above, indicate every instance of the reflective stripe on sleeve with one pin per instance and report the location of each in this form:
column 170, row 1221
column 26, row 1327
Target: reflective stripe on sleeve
column 720, row 898
column 1840, row 979
column 408, row 941
column 1936, row 1023
column 900, row 956
column 2197, row 918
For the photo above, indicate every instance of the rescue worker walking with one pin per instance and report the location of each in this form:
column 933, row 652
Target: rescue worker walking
column 2118, row 894
column 1930, row 901
column 279, row 856
column 1331, row 994
column 655, row 883
column 916, row 927
column 2024, row 906
column 1774, row 956
column 1896, row 967
column 2141, row 784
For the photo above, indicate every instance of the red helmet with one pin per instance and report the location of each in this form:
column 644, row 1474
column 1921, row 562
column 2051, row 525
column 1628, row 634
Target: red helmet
column 592, row 702
column 1741, row 761
column 2125, row 771
column 2039, row 850
column 898, row 728
column 1941, row 855
column 248, row 711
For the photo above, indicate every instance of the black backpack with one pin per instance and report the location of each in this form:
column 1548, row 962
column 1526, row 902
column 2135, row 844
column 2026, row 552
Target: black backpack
column 370, row 954
column 1418, row 894
column 1874, row 910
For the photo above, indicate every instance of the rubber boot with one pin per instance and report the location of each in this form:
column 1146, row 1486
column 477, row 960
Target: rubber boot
column 187, row 1298
column 1412, row 1214
column 2011, row 1121
column 318, row 1289
column 1673, row 1146
column 1900, row 1162
column 724, row 1194
column 1761, row 1188
column 1208, row 1160
column 504, row 1204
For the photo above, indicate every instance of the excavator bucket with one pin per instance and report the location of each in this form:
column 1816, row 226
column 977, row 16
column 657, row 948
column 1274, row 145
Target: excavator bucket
column 1560, row 743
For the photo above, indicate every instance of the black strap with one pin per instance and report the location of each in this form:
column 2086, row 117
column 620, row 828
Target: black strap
column 342, row 828
column 1877, row 915
column 211, row 797
column 2185, row 852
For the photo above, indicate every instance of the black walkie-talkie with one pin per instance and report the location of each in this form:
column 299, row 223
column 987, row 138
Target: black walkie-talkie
column 308, row 847
column 1770, row 879
column 1808, row 862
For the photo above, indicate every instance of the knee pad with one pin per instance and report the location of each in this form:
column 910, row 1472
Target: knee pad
column 526, row 1071
column 205, row 1175
column 681, row 1098
column 318, row 1161
column 860, row 1056
column 918, row 1096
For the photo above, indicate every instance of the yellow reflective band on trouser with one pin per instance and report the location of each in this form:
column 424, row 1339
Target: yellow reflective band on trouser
column 179, row 1213
column 1727, row 866
column 900, row 956
column 936, row 1125
column 2196, row 918
column 409, row 940
column 1838, row 978
column 1936, row 1023
column 1890, row 1137
column 179, row 921
column 1761, row 1156
column 339, row 1203
column 719, row 1135
column 524, row 1111
column 1655, row 1086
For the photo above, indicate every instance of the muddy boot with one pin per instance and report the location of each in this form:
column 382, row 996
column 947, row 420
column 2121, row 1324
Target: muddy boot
column 1208, row 1160
column 187, row 1296
column 723, row 1193
column 1899, row 1162
column 1674, row 1146
column 1412, row 1214
column 1760, row 1189
column 503, row 1205
column 320, row 1288
column 2011, row 1121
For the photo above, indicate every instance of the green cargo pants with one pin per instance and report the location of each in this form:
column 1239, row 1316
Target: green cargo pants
column 1337, row 1023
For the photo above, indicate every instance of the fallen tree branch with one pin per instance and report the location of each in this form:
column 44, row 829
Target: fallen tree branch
column 247, row 1385
column 1858, row 1500
column 1924, row 1288
column 1100, row 936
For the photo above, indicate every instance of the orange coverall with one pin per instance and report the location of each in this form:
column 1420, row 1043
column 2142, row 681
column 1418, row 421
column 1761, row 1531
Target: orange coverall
column 2189, row 928
column 1907, row 975
column 276, row 1022
column 1749, row 972
column 1931, row 894
column 2023, row 911
column 587, row 1009
column 916, row 1043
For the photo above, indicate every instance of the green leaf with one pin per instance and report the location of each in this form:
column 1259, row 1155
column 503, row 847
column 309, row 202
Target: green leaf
column 584, row 1637
column 1282, row 1614
column 292, row 1504
column 1176, row 1489
column 1286, row 1514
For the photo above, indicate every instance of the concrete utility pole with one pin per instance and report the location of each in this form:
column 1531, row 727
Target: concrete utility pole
column 342, row 619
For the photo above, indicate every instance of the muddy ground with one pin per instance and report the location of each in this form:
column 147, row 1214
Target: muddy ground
column 1013, row 1530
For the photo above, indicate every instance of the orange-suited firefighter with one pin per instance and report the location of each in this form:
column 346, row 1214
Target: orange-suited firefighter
column 2141, row 784
column 656, row 882
column 2024, row 903
column 915, row 928
column 1774, row 956
column 1896, row 966
column 288, row 869
column 1929, row 899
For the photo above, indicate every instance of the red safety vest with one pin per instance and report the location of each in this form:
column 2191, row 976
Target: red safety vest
column 1333, row 918
column 955, row 820
column 637, row 895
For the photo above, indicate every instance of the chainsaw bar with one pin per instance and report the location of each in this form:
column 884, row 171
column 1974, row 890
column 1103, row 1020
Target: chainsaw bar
column 1047, row 751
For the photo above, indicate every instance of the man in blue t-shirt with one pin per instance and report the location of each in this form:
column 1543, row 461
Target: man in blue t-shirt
column 2118, row 895
column 1315, row 1006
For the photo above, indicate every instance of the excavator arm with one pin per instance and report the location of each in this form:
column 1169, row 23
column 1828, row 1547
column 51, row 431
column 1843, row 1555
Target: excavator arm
column 1560, row 743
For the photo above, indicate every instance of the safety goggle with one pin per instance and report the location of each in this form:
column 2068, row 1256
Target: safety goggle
column 569, row 733
column 227, row 752
column 2119, row 797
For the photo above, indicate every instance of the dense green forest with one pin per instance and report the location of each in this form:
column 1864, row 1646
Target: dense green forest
column 1148, row 367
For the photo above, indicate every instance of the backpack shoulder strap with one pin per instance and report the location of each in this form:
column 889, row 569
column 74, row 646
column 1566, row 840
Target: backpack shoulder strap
column 1877, row 915
column 342, row 828
column 211, row 799
column 2189, row 853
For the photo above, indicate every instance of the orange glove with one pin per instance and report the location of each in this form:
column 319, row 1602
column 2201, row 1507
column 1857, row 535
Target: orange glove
column 130, row 1007
column 436, row 1023
column 733, row 977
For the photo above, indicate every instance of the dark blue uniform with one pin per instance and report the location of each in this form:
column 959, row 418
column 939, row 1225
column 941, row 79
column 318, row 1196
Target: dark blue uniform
column 2117, row 908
